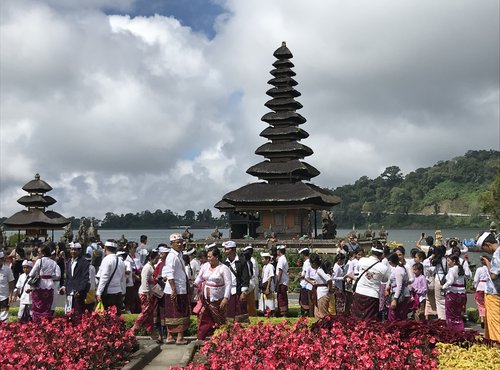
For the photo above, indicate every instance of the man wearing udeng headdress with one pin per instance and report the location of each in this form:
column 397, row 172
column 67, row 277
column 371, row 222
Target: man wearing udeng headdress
column 177, row 305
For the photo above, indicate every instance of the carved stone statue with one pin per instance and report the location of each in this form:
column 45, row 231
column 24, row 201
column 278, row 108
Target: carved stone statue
column 493, row 228
column 92, row 230
column 272, row 240
column 68, row 234
column 269, row 232
column 383, row 233
column 82, row 231
column 122, row 241
column 438, row 239
column 187, row 235
column 3, row 238
column 327, row 230
column 369, row 232
column 216, row 234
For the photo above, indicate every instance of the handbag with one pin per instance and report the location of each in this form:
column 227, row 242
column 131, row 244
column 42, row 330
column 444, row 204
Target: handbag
column 157, row 291
column 99, row 307
column 34, row 280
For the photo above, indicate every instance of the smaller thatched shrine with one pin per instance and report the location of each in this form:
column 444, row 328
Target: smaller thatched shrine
column 35, row 219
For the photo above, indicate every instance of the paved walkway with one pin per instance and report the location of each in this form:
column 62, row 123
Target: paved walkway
column 171, row 355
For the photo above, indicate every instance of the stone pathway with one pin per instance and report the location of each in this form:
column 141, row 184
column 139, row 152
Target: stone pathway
column 172, row 355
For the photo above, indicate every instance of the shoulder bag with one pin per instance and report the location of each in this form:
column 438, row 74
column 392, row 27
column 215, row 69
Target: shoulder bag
column 34, row 280
column 157, row 291
column 105, row 291
column 359, row 277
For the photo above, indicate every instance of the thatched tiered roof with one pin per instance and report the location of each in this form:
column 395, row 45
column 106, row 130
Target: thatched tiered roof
column 36, row 217
column 283, row 167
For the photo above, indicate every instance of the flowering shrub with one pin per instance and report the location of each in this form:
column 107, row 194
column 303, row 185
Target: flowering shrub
column 435, row 331
column 280, row 346
column 476, row 357
column 98, row 341
column 336, row 342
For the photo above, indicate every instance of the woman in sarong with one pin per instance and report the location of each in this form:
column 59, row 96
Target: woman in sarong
column 159, row 303
column 214, row 284
column 455, row 297
column 42, row 295
column 398, row 290
column 439, row 267
column 145, row 319
column 338, row 278
column 480, row 278
column 322, row 287
column 133, row 264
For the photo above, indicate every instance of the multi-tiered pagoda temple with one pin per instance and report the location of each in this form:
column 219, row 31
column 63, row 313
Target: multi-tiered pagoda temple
column 284, row 203
column 36, row 220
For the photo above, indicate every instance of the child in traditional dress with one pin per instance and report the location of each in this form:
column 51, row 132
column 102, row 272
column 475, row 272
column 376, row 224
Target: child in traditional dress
column 266, row 303
column 24, row 294
column 419, row 291
column 481, row 277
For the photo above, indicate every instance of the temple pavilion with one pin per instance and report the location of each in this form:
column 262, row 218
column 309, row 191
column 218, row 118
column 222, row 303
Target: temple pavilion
column 35, row 219
column 284, row 203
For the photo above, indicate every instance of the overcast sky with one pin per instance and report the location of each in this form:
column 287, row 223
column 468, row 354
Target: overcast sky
column 123, row 106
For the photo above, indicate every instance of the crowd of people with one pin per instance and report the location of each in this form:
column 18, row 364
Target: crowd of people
column 165, row 285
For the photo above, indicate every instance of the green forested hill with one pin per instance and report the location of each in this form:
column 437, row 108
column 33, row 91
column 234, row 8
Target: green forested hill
column 444, row 193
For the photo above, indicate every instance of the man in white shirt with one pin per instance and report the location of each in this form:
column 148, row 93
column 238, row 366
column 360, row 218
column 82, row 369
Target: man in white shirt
column 372, row 273
column 194, row 262
column 177, row 302
column 7, row 283
column 111, row 286
column 305, row 287
column 282, row 281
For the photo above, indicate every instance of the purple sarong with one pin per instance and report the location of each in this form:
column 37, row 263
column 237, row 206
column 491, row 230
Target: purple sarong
column 455, row 307
column 41, row 303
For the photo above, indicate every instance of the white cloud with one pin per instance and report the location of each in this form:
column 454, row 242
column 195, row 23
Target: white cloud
column 125, row 114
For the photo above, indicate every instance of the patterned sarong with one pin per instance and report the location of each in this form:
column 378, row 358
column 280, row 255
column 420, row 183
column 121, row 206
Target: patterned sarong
column 321, row 307
column 304, row 296
column 282, row 298
column 41, row 303
column 479, row 298
column 339, row 300
column 210, row 318
column 455, row 308
column 251, row 309
column 401, row 311
column 364, row 307
column 236, row 309
column 177, row 313
column 145, row 319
